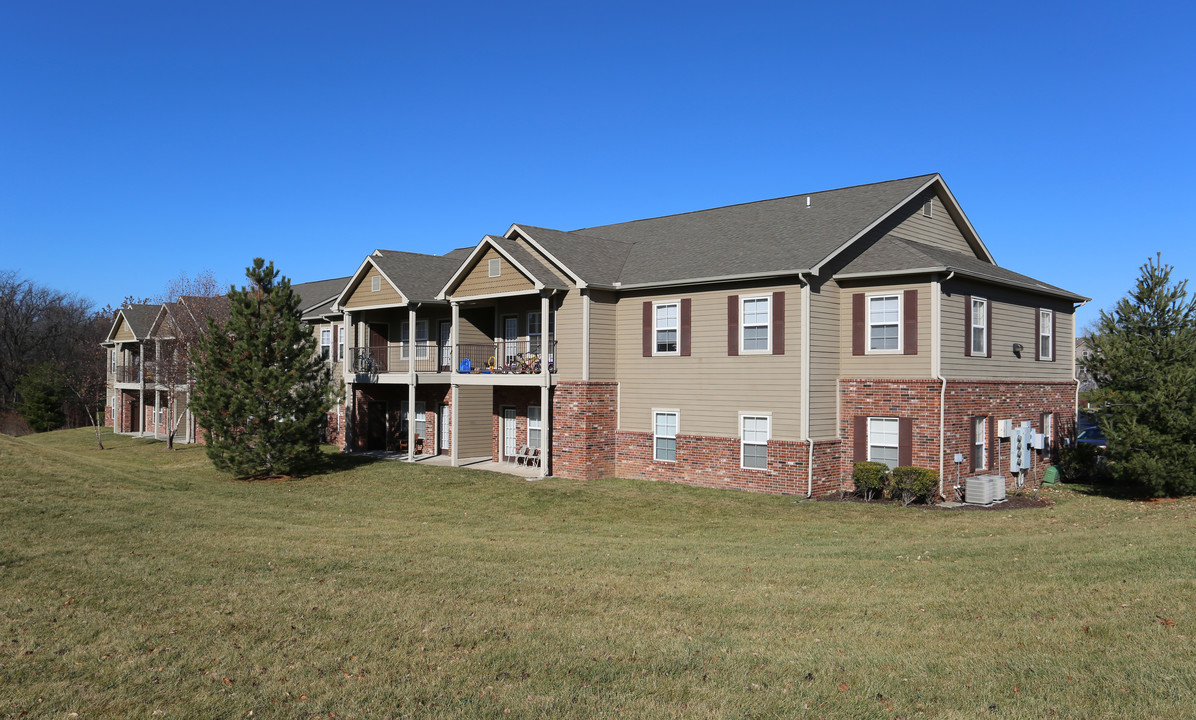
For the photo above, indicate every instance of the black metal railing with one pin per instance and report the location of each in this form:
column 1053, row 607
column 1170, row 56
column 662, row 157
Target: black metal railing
column 520, row 357
column 423, row 357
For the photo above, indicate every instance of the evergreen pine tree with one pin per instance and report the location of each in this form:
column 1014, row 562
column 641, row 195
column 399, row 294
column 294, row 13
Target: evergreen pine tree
column 261, row 389
column 1144, row 359
column 41, row 394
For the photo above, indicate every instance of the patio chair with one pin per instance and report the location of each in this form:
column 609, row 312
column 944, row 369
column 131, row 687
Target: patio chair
column 523, row 456
column 535, row 458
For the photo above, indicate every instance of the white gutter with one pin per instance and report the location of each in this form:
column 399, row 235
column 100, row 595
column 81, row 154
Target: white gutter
column 714, row 279
column 936, row 368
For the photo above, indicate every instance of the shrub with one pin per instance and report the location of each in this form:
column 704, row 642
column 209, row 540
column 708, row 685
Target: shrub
column 1081, row 463
column 911, row 483
column 870, row 478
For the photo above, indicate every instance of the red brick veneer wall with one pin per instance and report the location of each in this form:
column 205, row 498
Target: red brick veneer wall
column 584, row 419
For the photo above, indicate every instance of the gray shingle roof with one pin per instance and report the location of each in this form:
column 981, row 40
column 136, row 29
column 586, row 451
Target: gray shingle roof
column 141, row 318
column 419, row 277
column 318, row 292
column 777, row 235
column 895, row 255
column 596, row 260
column 540, row 270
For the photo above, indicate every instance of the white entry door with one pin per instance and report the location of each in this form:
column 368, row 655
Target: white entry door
column 509, row 436
column 510, row 336
column 446, row 336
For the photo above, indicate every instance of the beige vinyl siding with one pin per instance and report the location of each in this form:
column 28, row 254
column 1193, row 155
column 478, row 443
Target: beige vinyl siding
column 824, row 361
column 568, row 335
column 603, row 307
column 888, row 364
column 477, row 325
column 479, row 282
column 709, row 388
column 939, row 229
column 475, row 425
column 123, row 332
column 362, row 296
column 1013, row 315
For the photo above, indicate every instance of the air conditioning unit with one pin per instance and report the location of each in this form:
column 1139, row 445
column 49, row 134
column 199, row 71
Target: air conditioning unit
column 984, row 489
column 1004, row 428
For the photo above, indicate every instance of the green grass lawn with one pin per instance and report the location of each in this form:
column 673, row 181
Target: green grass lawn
column 136, row 582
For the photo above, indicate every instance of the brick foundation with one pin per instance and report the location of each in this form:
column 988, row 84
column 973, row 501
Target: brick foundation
column 584, row 418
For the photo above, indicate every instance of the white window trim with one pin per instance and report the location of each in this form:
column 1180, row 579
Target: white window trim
column 326, row 342
column 655, row 305
column 767, row 417
column 900, row 295
column 539, row 426
column 533, row 337
column 665, row 411
column 983, row 325
column 421, row 352
column 870, row 443
column 494, row 267
column 743, row 326
column 375, row 283
column 980, row 423
column 1046, row 326
column 340, row 341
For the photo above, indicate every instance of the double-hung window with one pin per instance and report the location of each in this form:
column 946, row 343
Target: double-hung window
column 421, row 339
column 979, row 327
column 884, row 323
column 533, row 427
column 755, row 329
column 753, row 441
column 1046, row 329
column 667, row 328
column 664, row 436
column 980, row 438
column 340, row 350
column 534, row 331
column 883, row 439
column 326, row 344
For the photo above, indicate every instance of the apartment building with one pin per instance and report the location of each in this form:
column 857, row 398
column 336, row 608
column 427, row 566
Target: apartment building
column 764, row 346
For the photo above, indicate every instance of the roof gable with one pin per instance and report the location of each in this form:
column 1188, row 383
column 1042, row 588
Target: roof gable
column 533, row 273
column 359, row 291
column 133, row 323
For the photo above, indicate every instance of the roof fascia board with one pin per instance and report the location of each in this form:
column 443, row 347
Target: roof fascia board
column 473, row 258
column 891, row 273
column 556, row 261
column 491, row 296
column 361, row 268
column 839, row 250
column 710, row 280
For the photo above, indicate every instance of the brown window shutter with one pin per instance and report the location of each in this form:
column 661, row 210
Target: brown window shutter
column 910, row 313
column 972, row 444
column 990, row 427
column 967, row 325
column 860, row 438
column 778, row 322
column 1037, row 334
column 905, row 441
column 732, row 324
column 647, row 329
column 858, row 324
column 988, row 328
column 1054, row 335
column 335, row 333
column 686, row 322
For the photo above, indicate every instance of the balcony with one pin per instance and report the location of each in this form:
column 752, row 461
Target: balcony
column 505, row 357
column 425, row 357
column 128, row 373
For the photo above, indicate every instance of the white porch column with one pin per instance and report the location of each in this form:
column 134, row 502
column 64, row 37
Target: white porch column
column 585, row 334
column 157, row 412
column 546, row 380
column 454, row 334
column 141, row 390
column 411, row 353
column 454, row 454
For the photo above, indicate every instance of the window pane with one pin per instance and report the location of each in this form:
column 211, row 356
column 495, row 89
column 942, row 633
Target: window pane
column 666, row 341
column 755, row 456
column 886, row 455
column 666, row 449
column 884, row 309
column 884, row 337
column 979, row 313
column 978, row 345
column 755, row 338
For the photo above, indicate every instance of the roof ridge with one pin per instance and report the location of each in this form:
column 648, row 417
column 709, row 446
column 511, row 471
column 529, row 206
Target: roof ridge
column 756, row 202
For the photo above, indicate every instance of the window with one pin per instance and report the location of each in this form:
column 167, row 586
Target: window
column 495, row 267
column 753, row 441
column 534, row 331
column 883, row 436
column 1046, row 329
column 340, row 350
column 375, row 283
column 533, row 426
column 112, row 358
column 326, row 344
column 979, row 443
column 420, row 418
column 755, row 329
column 421, row 339
column 665, row 436
column 884, row 323
column 667, row 328
column 979, row 327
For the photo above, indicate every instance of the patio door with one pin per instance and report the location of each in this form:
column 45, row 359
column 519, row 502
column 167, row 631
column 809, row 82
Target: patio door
column 510, row 336
column 442, row 422
column 375, row 425
column 509, row 434
column 379, row 337
column 446, row 352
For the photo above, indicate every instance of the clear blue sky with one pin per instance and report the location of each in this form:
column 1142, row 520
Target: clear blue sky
column 141, row 139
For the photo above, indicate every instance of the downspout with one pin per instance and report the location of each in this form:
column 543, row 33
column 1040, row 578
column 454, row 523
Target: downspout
column 936, row 368
column 805, row 381
column 1075, row 410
